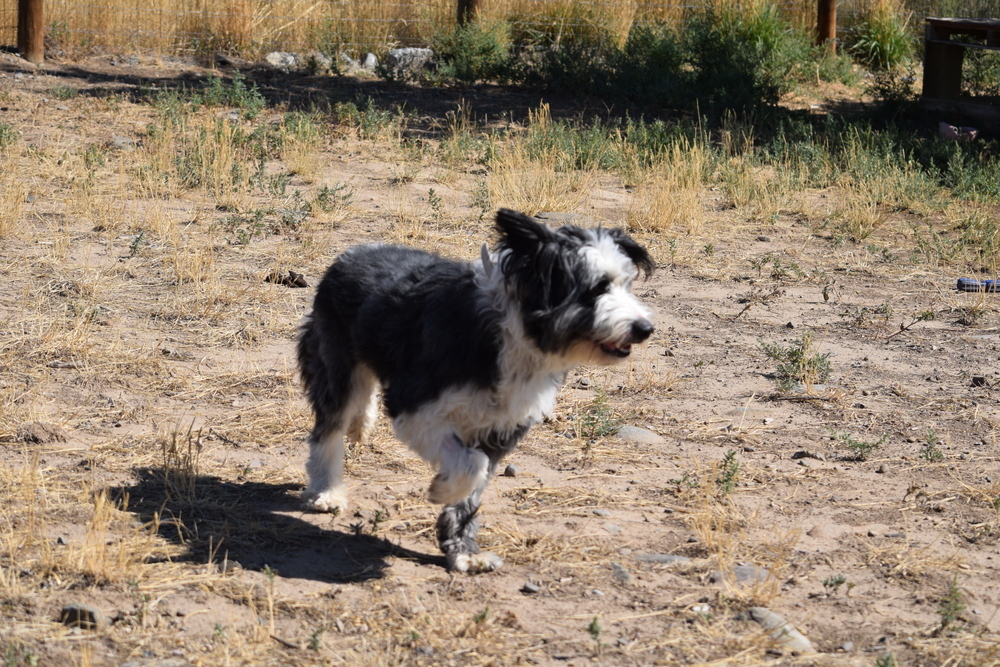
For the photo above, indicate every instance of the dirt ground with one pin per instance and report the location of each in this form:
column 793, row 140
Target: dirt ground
column 152, row 436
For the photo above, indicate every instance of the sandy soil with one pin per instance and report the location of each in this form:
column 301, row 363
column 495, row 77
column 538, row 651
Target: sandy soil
column 179, row 403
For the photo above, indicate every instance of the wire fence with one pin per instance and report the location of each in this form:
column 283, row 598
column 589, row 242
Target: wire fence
column 254, row 26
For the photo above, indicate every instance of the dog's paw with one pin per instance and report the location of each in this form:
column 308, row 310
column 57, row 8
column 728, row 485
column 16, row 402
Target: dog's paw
column 333, row 501
column 484, row 561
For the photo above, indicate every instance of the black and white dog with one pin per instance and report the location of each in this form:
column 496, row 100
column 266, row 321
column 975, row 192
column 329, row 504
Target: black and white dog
column 469, row 355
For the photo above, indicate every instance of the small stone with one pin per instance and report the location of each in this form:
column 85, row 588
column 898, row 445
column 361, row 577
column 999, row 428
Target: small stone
column 78, row 615
column 846, row 647
column 602, row 512
column 764, row 239
column 782, row 632
column 612, row 528
column 530, row 588
column 804, row 454
column 702, row 609
column 979, row 381
column 61, row 540
column 790, row 325
column 662, row 559
column 511, row 470
column 639, row 436
column 881, row 470
column 619, row 573
column 126, row 144
column 370, row 62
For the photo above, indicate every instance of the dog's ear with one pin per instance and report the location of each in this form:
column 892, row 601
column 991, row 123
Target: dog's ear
column 520, row 232
column 633, row 251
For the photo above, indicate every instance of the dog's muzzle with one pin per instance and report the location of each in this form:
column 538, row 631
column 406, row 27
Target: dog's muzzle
column 639, row 331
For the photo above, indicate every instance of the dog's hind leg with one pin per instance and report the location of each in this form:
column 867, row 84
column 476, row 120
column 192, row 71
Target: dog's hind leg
column 326, row 491
column 363, row 420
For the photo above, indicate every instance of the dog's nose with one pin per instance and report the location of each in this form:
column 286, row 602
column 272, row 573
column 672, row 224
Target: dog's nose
column 641, row 330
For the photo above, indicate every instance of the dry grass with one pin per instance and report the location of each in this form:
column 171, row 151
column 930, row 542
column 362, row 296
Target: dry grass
column 140, row 321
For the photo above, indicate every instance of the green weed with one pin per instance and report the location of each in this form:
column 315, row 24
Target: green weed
column 798, row 363
column 859, row 450
column 729, row 470
column 952, row 604
column 929, row 451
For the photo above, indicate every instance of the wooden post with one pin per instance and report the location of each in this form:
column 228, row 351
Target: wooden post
column 468, row 10
column 826, row 24
column 31, row 30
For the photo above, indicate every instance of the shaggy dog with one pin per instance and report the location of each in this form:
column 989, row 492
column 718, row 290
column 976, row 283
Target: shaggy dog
column 468, row 355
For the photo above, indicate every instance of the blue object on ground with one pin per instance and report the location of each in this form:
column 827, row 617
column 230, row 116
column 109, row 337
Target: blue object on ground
column 973, row 285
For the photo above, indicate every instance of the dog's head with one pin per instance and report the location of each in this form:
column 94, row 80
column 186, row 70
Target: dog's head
column 573, row 287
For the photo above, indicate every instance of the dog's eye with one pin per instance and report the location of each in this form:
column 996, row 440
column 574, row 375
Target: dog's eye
column 601, row 287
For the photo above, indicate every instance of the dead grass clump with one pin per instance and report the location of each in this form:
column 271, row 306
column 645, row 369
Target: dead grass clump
column 13, row 196
column 672, row 197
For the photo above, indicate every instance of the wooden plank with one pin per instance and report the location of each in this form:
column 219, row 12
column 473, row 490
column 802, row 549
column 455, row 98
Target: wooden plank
column 31, row 30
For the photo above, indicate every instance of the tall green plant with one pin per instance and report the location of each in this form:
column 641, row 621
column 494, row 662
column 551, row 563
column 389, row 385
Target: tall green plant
column 882, row 38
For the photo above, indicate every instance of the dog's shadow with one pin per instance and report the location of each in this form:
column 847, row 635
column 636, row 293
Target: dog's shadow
column 256, row 525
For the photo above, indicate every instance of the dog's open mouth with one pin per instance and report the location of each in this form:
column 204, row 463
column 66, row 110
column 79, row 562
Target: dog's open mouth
column 615, row 349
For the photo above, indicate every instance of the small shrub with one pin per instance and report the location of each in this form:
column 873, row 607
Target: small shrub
column 478, row 50
column 8, row 135
column 798, row 363
column 951, row 605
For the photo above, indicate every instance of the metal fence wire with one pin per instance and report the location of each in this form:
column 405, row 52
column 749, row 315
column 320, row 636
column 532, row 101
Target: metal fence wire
column 356, row 26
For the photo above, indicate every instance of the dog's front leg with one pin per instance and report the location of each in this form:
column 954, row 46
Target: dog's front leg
column 457, row 527
column 458, row 524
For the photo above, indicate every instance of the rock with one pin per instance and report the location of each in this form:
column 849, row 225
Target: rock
column 614, row 529
column 782, row 632
column 407, row 62
column 40, row 433
column 530, row 588
column 979, row 381
column 790, row 325
column 846, row 647
column 511, row 470
column 319, row 63
column 370, row 62
column 78, row 615
column 639, row 436
column 282, row 60
column 350, row 62
column 803, row 454
column 123, row 144
column 745, row 575
column 663, row 559
column 602, row 513
column 619, row 573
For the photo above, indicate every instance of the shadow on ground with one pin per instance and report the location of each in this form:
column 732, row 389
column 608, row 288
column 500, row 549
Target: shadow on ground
column 257, row 525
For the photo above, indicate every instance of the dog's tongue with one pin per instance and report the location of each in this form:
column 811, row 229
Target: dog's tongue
column 612, row 349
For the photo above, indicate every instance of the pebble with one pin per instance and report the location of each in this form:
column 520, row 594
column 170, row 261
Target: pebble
column 782, row 632
column 619, row 573
column 846, row 647
column 78, row 615
column 511, row 470
column 805, row 454
column 637, row 435
column 743, row 574
column 663, row 559
column 612, row 528
column 123, row 144
column 602, row 512
column 530, row 588
column 702, row 608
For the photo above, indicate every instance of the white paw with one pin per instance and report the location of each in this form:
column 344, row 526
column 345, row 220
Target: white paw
column 332, row 500
column 483, row 561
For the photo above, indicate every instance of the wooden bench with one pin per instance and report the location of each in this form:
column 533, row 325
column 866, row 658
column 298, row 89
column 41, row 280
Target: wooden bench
column 943, row 56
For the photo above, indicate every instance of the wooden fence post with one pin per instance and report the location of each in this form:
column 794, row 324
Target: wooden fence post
column 826, row 23
column 467, row 11
column 31, row 30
